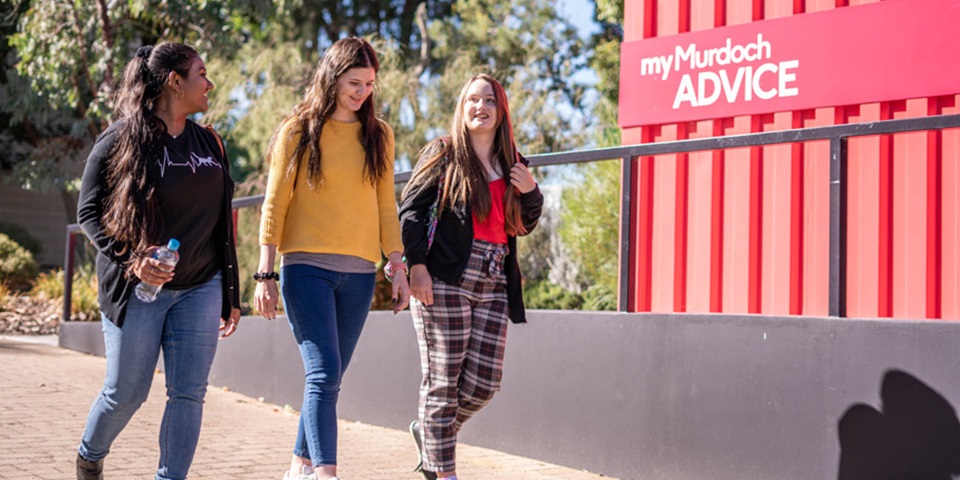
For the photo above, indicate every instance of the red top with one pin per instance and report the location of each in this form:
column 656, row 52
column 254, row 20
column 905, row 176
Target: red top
column 492, row 229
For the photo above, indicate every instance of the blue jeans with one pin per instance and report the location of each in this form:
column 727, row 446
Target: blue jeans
column 185, row 324
column 326, row 311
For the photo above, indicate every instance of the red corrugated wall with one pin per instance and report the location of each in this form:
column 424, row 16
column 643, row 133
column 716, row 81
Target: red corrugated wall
column 747, row 230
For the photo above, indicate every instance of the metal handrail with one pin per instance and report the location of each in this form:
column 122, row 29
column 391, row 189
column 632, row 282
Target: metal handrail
column 836, row 134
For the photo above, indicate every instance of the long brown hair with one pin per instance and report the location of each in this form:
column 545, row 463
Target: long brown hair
column 320, row 101
column 131, row 214
column 464, row 177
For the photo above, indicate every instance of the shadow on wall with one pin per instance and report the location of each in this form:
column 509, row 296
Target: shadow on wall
column 915, row 434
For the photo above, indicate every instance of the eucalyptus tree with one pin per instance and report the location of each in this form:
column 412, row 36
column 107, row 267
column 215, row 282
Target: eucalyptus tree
column 67, row 56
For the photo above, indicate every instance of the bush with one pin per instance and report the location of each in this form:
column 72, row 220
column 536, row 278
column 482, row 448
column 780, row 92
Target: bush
column 22, row 237
column 18, row 269
column 83, row 302
column 83, row 298
column 544, row 295
column 600, row 297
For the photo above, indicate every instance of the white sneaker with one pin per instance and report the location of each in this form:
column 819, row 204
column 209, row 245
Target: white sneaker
column 306, row 473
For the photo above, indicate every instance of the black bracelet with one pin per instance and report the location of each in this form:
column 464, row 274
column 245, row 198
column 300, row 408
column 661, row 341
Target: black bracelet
column 260, row 276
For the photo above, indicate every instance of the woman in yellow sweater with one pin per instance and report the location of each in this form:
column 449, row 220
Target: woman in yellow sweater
column 329, row 211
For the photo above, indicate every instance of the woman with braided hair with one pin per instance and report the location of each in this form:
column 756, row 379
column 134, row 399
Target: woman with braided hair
column 154, row 175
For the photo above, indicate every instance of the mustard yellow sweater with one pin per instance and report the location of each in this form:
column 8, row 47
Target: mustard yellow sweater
column 344, row 214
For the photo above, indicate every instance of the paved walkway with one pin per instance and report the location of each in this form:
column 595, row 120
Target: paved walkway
column 45, row 392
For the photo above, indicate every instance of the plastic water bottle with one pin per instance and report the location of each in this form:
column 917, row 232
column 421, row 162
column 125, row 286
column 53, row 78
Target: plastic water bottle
column 168, row 255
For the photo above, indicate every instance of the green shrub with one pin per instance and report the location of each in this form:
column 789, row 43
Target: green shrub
column 83, row 298
column 544, row 295
column 18, row 269
column 22, row 237
column 48, row 285
column 600, row 297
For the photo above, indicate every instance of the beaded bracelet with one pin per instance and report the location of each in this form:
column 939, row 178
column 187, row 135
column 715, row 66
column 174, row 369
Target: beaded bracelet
column 261, row 276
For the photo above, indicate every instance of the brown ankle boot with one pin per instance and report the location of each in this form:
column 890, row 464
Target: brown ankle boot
column 87, row 470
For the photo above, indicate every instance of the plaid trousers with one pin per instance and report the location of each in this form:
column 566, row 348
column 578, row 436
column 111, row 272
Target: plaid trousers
column 462, row 339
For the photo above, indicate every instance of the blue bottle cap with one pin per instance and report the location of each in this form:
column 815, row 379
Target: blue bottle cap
column 173, row 244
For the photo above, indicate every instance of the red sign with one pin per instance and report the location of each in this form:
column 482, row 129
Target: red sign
column 892, row 50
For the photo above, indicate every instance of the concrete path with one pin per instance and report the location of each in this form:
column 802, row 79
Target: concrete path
column 45, row 393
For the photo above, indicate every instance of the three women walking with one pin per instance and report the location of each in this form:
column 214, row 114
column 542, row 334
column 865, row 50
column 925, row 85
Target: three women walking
column 330, row 212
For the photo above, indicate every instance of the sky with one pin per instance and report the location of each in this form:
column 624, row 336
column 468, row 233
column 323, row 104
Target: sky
column 580, row 13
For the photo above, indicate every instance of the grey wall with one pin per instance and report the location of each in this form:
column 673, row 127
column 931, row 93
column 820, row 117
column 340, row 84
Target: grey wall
column 43, row 215
column 666, row 396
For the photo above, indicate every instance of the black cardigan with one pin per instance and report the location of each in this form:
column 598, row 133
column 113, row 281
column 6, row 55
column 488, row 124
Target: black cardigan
column 453, row 239
column 114, row 286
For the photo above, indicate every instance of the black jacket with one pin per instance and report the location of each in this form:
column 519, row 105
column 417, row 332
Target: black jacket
column 113, row 285
column 453, row 239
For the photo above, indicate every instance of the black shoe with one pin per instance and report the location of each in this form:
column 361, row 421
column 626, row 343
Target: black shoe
column 87, row 470
column 415, row 431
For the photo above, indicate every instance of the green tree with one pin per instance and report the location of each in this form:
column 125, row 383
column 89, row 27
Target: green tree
column 589, row 219
column 525, row 44
column 589, row 231
column 316, row 24
column 68, row 55
column 605, row 61
column 64, row 56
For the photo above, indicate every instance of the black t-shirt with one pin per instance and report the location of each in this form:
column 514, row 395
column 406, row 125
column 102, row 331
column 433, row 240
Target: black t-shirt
column 189, row 190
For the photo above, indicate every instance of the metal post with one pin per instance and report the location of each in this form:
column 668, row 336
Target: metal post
column 838, row 227
column 626, row 232
column 68, row 257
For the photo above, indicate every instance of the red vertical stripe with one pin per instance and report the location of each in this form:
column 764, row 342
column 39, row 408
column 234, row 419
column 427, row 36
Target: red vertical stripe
column 950, row 213
column 758, row 10
column 720, row 13
column 649, row 18
column 934, row 216
column 684, row 16
column 910, row 214
column 796, row 229
column 682, row 201
column 680, row 227
column 885, row 231
column 717, row 195
column 716, row 226
column 756, row 223
column 756, row 202
column 645, row 234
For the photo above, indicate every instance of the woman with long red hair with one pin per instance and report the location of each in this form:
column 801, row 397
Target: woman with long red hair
column 470, row 196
